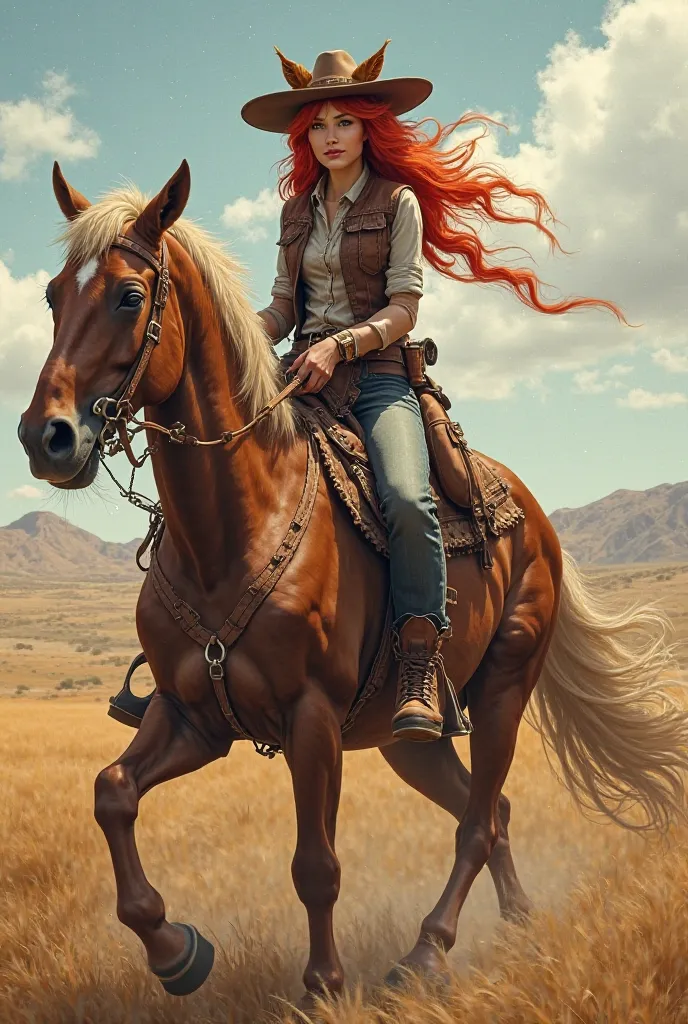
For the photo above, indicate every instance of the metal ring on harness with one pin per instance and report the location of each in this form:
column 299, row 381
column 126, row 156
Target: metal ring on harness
column 215, row 669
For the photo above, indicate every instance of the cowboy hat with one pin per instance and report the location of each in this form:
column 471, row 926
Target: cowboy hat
column 335, row 74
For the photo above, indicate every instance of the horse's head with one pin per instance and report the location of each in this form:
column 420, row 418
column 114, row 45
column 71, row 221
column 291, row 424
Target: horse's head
column 101, row 303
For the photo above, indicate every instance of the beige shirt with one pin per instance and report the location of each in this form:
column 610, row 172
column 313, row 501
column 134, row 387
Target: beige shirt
column 326, row 301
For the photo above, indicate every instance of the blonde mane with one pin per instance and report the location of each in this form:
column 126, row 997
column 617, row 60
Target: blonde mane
column 89, row 235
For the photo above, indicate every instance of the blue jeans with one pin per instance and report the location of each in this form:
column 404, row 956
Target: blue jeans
column 389, row 413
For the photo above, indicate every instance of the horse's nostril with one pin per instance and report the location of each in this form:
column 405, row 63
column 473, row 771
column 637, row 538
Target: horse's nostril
column 59, row 438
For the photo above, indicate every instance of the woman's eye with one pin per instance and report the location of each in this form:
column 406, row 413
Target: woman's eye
column 345, row 123
column 132, row 300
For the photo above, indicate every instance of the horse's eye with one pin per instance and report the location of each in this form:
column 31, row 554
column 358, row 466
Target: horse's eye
column 131, row 300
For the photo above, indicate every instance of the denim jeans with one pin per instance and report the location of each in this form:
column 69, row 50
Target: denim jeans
column 389, row 413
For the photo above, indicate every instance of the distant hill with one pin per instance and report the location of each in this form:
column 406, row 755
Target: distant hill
column 43, row 546
column 628, row 526
column 624, row 527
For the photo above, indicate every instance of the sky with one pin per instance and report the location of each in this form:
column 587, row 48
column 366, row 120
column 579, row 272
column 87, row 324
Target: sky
column 596, row 99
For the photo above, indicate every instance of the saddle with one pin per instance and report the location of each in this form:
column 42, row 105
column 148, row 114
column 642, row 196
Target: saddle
column 473, row 501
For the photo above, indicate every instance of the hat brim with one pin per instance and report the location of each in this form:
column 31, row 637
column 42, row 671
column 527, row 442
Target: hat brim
column 275, row 111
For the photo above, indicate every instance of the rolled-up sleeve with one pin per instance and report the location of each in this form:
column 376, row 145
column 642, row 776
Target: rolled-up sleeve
column 281, row 289
column 281, row 309
column 405, row 269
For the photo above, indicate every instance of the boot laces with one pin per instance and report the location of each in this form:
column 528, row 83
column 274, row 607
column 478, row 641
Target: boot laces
column 418, row 671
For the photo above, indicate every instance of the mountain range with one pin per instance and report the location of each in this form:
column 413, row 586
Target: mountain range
column 42, row 545
column 623, row 527
column 628, row 526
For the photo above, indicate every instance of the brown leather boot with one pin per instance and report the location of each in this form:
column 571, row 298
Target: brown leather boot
column 417, row 649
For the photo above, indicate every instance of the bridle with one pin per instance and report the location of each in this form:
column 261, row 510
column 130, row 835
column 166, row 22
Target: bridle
column 117, row 409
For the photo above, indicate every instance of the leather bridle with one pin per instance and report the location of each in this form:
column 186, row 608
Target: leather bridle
column 151, row 339
column 117, row 410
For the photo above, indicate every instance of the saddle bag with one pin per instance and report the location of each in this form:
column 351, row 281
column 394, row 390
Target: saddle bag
column 460, row 475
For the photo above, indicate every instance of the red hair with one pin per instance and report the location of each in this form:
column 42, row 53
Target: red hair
column 450, row 191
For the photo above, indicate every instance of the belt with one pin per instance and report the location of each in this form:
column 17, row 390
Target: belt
column 388, row 360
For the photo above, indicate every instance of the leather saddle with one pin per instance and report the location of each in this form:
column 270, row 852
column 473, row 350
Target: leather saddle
column 473, row 501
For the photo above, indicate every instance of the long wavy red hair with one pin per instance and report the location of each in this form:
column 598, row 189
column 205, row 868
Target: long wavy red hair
column 455, row 195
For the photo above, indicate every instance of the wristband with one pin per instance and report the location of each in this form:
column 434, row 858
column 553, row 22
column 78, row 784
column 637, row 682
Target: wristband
column 347, row 343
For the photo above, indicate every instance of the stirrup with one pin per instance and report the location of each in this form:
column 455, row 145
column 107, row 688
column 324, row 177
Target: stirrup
column 456, row 721
column 126, row 707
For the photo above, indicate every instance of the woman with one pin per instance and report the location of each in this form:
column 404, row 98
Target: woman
column 367, row 199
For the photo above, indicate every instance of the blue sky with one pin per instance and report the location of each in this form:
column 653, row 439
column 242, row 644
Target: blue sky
column 577, row 412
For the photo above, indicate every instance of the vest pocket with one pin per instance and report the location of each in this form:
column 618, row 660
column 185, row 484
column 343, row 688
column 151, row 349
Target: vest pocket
column 291, row 231
column 373, row 240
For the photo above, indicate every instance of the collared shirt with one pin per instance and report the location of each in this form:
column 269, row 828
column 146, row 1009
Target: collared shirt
column 326, row 301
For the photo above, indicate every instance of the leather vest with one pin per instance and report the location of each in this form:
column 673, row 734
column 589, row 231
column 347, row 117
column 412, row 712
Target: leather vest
column 363, row 252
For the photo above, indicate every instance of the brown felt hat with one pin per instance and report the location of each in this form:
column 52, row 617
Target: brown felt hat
column 335, row 74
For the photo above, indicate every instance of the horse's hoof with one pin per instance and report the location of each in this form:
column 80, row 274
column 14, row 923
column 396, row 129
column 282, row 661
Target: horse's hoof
column 184, row 977
column 518, row 913
column 407, row 971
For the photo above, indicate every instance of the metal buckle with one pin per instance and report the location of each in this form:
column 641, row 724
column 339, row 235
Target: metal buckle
column 153, row 331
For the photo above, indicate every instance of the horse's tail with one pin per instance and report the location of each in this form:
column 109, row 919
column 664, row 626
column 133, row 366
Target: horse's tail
column 604, row 704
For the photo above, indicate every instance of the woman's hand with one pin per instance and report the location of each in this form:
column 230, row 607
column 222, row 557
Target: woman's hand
column 316, row 365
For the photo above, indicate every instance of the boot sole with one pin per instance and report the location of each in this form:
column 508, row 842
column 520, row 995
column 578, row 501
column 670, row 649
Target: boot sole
column 417, row 729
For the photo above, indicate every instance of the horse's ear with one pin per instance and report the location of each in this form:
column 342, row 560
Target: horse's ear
column 166, row 207
column 71, row 202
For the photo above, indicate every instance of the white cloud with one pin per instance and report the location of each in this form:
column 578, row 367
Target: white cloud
column 26, row 491
column 620, row 370
column 25, row 333
column 595, row 382
column 610, row 144
column 673, row 362
column 588, row 382
column 250, row 218
column 639, row 398
column 31, row 128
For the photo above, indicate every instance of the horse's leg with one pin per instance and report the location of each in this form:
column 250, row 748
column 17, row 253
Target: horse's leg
column 498, row 696
column 436, row 771
column 314, row 755
column 166, row 746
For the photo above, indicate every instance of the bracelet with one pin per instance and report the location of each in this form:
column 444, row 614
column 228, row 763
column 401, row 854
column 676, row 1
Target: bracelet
column 347, row 343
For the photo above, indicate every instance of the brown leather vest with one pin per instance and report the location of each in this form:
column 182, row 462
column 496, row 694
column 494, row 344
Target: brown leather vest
column 363, row 252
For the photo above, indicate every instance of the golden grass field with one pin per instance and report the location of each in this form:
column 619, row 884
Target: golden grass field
column 609, row 942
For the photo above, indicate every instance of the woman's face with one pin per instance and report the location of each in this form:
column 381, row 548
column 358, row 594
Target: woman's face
column 336, row 138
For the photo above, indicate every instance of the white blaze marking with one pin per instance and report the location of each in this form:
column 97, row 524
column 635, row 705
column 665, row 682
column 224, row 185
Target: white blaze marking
column 85, row 273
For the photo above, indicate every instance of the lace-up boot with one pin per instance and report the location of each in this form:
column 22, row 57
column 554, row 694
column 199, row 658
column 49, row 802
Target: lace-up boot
column 417, row 649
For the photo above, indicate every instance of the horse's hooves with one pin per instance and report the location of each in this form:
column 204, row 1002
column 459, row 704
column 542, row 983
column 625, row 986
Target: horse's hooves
column 185, row 977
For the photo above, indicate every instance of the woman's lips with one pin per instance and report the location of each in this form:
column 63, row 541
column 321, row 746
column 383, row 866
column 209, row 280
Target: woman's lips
column 333, row 152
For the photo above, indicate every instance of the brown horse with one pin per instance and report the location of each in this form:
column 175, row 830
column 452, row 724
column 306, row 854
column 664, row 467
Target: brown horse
column 600, row 704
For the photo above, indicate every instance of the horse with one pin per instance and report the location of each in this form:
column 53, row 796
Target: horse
column 529, row 635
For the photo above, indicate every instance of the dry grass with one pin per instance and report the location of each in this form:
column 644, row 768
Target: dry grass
column 609, row 944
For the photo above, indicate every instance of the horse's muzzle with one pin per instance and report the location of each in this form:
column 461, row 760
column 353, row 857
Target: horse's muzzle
column 61, row 450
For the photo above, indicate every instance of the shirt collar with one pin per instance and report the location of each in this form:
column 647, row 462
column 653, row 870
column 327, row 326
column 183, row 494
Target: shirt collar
column 318, row 193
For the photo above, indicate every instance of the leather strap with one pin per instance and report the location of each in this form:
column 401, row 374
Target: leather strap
column 128, row 387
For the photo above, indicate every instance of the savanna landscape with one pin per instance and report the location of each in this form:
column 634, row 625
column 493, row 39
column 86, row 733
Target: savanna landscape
column 608, row 941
